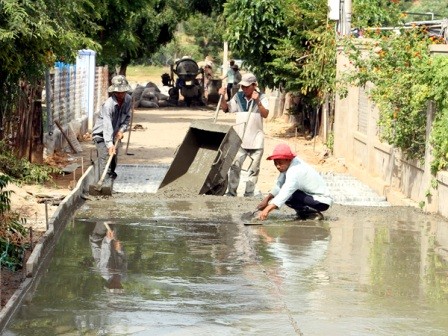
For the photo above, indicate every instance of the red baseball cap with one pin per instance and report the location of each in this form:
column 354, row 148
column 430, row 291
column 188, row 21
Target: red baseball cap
column 282, row 151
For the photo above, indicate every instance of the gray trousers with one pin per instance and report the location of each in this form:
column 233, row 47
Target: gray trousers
column 253, row 171
column 103, row 156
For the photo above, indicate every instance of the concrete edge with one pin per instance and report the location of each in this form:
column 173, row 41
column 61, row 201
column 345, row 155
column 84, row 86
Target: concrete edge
column 41, row 254
column 394, row 197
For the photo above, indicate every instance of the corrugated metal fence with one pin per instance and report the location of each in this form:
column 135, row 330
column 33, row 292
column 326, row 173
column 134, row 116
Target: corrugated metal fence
column 68, row 92
column 67, row 106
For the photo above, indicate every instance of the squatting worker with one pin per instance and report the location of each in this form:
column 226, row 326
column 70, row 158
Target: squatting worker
column 299, row 186
column 251, row 107
column 112, row 121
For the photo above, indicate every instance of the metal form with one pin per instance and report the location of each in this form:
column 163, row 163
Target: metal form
column 203, row 159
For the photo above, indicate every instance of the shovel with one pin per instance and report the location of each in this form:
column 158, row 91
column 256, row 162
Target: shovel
column 130, row 129
column 217, row 108
column 99, row 185
column 98, row 189
column 248, row 218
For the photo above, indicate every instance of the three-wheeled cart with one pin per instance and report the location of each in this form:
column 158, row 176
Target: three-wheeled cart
column 203, row 159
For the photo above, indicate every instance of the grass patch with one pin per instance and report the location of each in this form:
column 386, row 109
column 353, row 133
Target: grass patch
column 146, row 73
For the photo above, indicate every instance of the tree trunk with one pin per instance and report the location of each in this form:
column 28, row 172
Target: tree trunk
column 126, row 60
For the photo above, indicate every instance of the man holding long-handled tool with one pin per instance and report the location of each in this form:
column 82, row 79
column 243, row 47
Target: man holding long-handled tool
column 112, row 121
column 251, row 107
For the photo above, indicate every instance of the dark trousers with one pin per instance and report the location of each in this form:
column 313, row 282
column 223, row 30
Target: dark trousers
column 305, row 203
column 103, row 156
column 229, row 90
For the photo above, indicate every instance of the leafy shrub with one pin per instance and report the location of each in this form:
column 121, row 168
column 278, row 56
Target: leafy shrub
column 22, row 170
column 406, row 78
column 13, row 240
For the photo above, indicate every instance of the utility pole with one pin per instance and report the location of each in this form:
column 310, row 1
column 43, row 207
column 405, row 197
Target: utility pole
column 225, row 58
column 341, row 11
column 347, row 19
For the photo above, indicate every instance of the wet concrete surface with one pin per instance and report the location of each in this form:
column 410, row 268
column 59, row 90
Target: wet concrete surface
column 189, row 266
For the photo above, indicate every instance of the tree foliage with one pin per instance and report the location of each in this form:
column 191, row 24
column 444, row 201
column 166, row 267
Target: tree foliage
column 134, row 29
column 427, row 7
column 206, row 7
column 253, row 28
column 207, row 31
column 305, row 59
column 375, row 13
column 34, row 33
column 292, row 42
column 405, row 77
column 12, row 231
column 138, row 29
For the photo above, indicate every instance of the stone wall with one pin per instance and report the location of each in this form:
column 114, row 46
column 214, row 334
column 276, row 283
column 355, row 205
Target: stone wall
column 378, row 164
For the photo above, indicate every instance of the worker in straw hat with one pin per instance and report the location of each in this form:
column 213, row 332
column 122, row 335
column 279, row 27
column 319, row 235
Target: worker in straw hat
column 111, row 122
column 299, row 186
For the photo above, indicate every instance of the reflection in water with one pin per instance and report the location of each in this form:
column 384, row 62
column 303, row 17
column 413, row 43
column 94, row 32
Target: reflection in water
column 109, row 257
column 382, row 274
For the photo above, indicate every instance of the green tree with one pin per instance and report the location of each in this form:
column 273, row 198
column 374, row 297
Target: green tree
column 305, row 59
column 253, row 28
column 136, row 30
column 33, row 34
column 37, row 32
column 207, row 32
column 375, row 13
column 436, row 7
column 406, row 77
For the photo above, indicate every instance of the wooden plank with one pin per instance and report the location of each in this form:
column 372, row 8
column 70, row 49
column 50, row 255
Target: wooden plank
column 65, row 136
column 70, row 168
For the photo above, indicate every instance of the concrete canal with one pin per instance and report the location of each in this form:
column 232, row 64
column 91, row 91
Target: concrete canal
column 189, row 266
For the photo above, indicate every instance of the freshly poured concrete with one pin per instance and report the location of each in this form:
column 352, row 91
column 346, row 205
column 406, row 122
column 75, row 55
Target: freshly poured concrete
column 194, row 269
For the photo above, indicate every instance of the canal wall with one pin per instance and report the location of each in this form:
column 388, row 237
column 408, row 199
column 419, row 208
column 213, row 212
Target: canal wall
column 41, row 255
column 378, row 164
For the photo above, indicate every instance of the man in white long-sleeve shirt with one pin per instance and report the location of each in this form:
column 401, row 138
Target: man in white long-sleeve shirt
column 299, row 186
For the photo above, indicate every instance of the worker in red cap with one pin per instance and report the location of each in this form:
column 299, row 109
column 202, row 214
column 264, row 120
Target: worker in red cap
column 299, row 186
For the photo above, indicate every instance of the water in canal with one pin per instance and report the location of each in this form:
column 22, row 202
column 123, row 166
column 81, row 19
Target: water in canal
column 163, row 272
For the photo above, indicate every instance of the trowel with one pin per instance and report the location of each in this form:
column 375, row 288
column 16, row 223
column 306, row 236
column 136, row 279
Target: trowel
column 248, row 218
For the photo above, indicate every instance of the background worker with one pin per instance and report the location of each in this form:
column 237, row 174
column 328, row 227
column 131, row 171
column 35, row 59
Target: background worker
column 251, row 107
column 112, row 121
column 299, row 186
column 230, row 79
column 236, row 79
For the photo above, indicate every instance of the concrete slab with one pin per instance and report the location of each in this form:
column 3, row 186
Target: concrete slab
column 346, row 190
column 139, row 178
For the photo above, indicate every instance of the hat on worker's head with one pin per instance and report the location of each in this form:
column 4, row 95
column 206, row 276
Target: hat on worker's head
column 119, row 84
column 282, row 151
column 248, row 79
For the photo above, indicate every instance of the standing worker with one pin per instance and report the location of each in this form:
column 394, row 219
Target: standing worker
column 299, row 186
column 236, row 79
column 251, row 107
column 112, row 121
column 230, row 79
